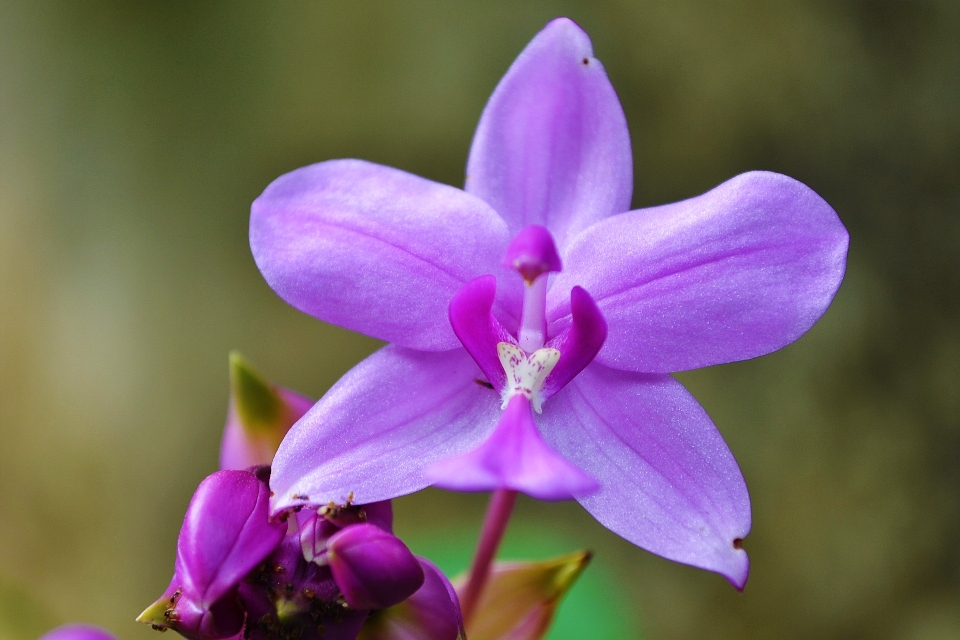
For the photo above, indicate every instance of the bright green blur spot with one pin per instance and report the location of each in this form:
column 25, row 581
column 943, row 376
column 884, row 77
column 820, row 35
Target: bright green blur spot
column 259, row 407
column 594, row 608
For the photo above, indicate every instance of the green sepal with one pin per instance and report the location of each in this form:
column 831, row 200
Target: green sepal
column 259, row 407
column 521, row 598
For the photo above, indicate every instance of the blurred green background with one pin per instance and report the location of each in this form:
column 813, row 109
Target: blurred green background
column 136, row 134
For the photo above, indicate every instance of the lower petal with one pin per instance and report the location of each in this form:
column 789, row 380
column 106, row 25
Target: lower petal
column 370, row 437
column 514, row 457
column 669, row 482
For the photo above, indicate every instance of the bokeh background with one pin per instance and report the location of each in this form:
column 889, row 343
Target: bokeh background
column 136, row 134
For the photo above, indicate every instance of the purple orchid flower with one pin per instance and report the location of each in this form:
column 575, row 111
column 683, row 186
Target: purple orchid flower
column 501, row 375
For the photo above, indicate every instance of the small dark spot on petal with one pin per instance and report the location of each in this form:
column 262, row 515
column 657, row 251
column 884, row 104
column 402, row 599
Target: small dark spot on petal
column 738, row 543
column 483, row 383
column 586, row 61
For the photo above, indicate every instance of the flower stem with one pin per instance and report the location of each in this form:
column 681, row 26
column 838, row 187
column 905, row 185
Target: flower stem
column 494, row 526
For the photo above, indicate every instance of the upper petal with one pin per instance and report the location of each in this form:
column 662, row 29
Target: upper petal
column 735, row 273
column 552, row 147
column 669, row 482
column 374, row 432
column 374, row 249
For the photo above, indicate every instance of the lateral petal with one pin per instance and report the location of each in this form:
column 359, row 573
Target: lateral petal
column 668, row 481
column 374, row 249
column 552, row 147
column 375, row 431
column 735, row 273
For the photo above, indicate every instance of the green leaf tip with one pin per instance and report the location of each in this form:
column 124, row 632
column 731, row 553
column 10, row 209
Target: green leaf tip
column 521, row 598
column 154, row 614
column 259, row 406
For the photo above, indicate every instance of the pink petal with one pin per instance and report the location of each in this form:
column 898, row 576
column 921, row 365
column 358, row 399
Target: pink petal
column 736, row 273
column 473, row 322
column 373, row 433
column 579, row 343
column 552, row 147
column 669, row 482
column 515, row 457
column 374, row 249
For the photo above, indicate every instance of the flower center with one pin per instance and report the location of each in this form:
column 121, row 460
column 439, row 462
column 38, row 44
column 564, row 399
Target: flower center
column 531, row 364
column 533, row 254
column 526, row 372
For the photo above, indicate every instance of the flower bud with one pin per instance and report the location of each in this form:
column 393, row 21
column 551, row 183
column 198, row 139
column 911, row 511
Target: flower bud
column 260, row 414
column 373, row 568
column 432, row 613
column 78, row 632
column 226, row 533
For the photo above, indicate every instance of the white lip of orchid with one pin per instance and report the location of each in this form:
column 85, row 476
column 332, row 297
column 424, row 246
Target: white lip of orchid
column 526, row 372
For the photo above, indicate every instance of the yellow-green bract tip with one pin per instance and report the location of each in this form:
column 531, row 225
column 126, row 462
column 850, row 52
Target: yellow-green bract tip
column 259, row 407
column 521, row 598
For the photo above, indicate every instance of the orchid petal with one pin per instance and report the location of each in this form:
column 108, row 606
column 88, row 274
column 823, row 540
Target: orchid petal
column 735, row 273
column 579, row 343
column 515, row 457
column 374, row 249
column 669, row 482
column 432, row 613
column 477, row 329
column 373, row 433
column 226, row 533
column 552, row 147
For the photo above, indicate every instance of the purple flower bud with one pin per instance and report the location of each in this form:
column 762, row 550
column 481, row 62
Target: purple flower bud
column 289, row 597
column 316, row 527
column 226, row 533
column 78, row 632
column 260, row 415
column 432, row 613
column 373, row 568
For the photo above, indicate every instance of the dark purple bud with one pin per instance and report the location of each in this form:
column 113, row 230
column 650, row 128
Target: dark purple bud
column 226, row 533
column 373, row 568
column 316, row 527
column 260, row 414
column 290, row 597
column 432, row 613
column 532, row 253
column 78, row 632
